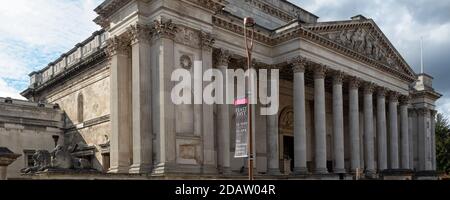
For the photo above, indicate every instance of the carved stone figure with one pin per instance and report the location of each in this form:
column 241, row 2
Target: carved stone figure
column 61, row 158
column 42, row 161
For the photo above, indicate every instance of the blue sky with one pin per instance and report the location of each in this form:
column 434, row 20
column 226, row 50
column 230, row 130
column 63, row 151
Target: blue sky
column 36, row 32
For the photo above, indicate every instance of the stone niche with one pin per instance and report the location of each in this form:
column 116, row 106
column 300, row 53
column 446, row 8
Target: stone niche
column 188, row 151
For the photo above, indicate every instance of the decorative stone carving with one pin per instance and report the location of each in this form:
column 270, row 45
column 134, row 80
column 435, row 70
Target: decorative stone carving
column 207, row 40
column 58, row 159
column 381, row 91
column 404, row 99
column 363, row 41
column 188, row 37
column 222, row 57
column 369, row 87
column 393, row 96
column 117, row 45
column 338, row 77
column 186, row 62
column 320, row 71
column 139, row 32
column 164, row 28
column 299, row 64
column 354, row 82
column 286, row 121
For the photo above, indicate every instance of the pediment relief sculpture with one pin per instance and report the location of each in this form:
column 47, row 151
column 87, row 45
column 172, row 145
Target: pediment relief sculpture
column 364, row 42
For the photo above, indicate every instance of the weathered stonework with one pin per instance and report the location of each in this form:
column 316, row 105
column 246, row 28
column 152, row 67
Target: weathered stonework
column 114, row 89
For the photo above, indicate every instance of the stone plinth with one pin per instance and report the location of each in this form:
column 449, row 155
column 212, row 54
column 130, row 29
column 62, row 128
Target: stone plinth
column 7, row 157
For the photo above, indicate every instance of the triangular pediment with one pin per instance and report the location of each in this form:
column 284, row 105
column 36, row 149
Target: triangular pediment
column 365, row 38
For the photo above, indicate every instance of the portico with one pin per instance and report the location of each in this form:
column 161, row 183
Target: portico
column 349, row 103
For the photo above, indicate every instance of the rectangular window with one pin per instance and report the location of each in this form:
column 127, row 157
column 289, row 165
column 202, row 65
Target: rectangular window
column 28, row 155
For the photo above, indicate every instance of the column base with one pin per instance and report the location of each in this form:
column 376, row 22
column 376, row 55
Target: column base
column 321, row 171
column 226, row 171
column 209, row 169
column 141, row 169
column 339, row 171
column 274, row 172
column 119, row 170
column 301, row 171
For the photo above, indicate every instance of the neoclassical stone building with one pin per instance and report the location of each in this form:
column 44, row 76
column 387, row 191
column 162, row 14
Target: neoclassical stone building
column 349, row 102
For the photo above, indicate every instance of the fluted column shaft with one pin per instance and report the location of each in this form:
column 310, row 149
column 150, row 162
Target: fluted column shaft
column 404, row 134
column 300, row 166
column 338, row 124
column 223, row 125
column 393, row 130
column 381, row 129
column 320, row 120
column 368, row 129
column 354, row 124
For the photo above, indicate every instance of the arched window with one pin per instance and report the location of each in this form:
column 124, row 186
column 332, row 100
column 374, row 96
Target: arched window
column 80, row 108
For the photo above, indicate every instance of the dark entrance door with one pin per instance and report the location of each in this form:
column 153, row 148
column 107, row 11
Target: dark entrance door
column 288, row 151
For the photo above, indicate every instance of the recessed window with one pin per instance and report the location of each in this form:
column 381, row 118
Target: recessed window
column 28, row 155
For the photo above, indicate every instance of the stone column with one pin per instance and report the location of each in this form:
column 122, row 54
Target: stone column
column 393, row 131
column 433, row 140
column 320, row 120
column 354, row 124
column 300, row 166
column 209, row 149
column 223, row 117
column 121, row 113
column 338, row 124
column 164, row 110
column 412, row 128
column 404, row 132
column 273, row 160
column 368, row 129
column 141, row 97
column 381, row 129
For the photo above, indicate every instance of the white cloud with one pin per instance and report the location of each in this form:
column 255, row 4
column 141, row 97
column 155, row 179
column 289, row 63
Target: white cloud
column 34, row 33
column 8, row 91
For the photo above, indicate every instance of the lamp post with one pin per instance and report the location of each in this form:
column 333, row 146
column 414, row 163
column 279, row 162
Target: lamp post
column 249, row 23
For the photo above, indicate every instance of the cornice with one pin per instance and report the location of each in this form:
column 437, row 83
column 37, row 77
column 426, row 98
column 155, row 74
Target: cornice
column 300, row 32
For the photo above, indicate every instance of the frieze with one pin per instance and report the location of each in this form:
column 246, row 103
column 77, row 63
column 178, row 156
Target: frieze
column 164, row 28
column 188, row 36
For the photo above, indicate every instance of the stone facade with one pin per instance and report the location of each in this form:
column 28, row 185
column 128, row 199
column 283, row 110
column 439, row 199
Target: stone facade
column 348, row 100
column 26, row 127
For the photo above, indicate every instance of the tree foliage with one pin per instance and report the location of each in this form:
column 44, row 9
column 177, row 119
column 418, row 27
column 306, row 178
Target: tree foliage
column 442, row 143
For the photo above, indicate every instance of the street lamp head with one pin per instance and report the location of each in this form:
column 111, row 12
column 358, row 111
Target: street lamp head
column 249, row 22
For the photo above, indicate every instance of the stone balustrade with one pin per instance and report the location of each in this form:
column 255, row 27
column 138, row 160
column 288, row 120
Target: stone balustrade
column 70, row 59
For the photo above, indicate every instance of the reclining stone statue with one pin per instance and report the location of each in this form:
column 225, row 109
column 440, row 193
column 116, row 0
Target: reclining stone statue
column 58, row 159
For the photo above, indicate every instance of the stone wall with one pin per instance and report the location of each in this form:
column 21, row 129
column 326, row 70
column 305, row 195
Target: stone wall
column 26, row 127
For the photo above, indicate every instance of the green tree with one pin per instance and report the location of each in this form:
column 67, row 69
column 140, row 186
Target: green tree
column 442, row 143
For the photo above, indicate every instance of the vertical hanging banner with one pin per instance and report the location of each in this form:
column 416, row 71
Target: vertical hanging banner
column 241, row 150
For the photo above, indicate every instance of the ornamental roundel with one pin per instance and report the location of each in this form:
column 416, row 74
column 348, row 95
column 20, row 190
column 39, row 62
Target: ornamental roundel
column 185, row 62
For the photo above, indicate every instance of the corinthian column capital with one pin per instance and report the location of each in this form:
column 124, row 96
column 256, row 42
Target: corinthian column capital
column 299, row 64
column 320, row 71
column 338, row 77
column 354, row 82
column 369, row 87
column 393, row 96
column 381, row 91
column 139, row 33
column 116, row 45
column 207, row 40
column 164, row 28
column 404, row 100
column 222, row 57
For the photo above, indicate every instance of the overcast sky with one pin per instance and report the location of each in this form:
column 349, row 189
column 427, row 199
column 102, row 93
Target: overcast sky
column 34, row 33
